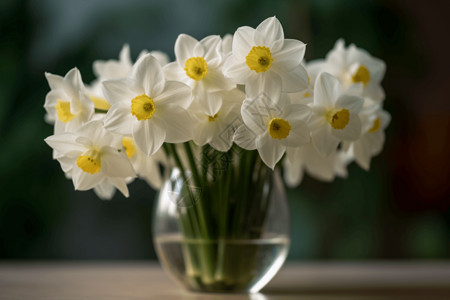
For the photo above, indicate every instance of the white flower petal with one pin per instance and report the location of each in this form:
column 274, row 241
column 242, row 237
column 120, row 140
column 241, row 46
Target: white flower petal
column 362, row 150
column 93, row 130
column 54, row 81
column 269, row 149
column 227, row 44
column 289, row 57
column 223, row 140
column 119, row 119
column 105, row 190
column 51, row 100
column 299, row 134
column 326, row 90
column 355, row 89
column 237, row 70
column 314, row 68
column 324, row 141
column 67, row 163
column 85, row 181
column 161, row 57
column 73, row 77
column 352, row 103
column 124, row 55
column 115, row 163
column 352, row 131
column 227, row 125
column 385, row 118
column 376, row 140
column 149, row 171
column 73, row 125
column 215, row 81
column 149, row 135
column 294, row 112
column 212, row 46
column 242, row 42
column 121, row 90
column 184, row 48
column 256, row 113
column 65, row 144
column 293, row 173
column 319, row 167
column 377, row 69
column 374, row 91
column 203, row 133
column 148, row 74
column 121, row 185
column 172, row 71
column 245, row 138
column 210, row 103
column 178, row 124
column 85, row 141
column 270, row 31
column 295, row 80
column 176, row 93
column 269, row 84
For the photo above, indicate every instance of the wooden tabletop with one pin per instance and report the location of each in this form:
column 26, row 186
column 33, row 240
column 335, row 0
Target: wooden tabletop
column 146, row 280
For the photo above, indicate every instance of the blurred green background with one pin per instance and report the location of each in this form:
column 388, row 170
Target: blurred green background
column 400, row 209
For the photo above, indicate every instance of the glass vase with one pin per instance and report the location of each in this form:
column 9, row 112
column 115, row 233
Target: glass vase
column 222, row 222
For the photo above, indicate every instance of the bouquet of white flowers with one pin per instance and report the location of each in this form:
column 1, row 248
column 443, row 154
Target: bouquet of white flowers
column 223, row 116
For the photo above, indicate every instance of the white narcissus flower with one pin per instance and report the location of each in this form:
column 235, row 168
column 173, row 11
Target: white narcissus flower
column 91, row 154
column 105, row 70
column 227, row 44
column 67, row 105
column 215, row 125
column 307, row 159
column 147, row 167
column 161, row 57
column 271, row 125
column 115, row 69
column 263, row 55
column 334, row 115
column 148, row 107
column 351, row 66
column 305, row 96
column 371, row 142
column 105, row 190
column 199, row 65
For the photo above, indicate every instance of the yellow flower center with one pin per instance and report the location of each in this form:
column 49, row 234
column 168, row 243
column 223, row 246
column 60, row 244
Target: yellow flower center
column 100, row 103
column 338, row 119
column 361, row 75
column 89, row 162
column 142, row 107
column 196, row 68
column 213, row 118
column 376, row 125
column 128, row 146
column 63, row 111
column 259, row 59
column 279, row 128
column 306, row 95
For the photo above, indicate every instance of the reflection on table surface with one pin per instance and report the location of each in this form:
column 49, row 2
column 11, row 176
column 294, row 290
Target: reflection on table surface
column 303, row 281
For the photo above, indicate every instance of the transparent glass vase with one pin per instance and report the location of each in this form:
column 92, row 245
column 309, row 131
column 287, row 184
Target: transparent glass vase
column 227, row 231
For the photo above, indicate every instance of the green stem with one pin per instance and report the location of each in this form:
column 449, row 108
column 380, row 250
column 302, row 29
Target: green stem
column 192, row 165
column 100, row 111
column 223, row 217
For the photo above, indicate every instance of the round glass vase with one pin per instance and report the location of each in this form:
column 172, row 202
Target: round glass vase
column 222, row 225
